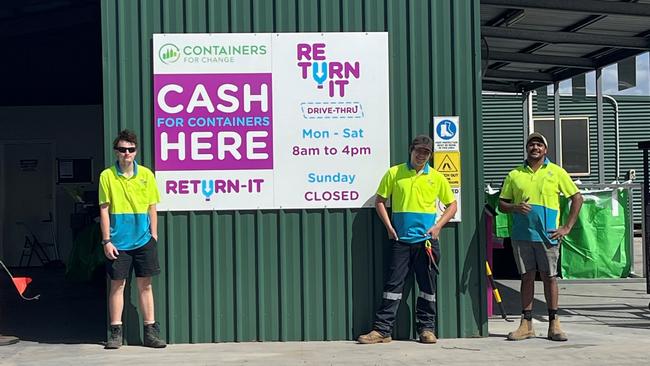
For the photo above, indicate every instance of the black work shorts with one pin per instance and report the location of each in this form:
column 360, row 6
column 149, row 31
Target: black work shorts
column 144, row 261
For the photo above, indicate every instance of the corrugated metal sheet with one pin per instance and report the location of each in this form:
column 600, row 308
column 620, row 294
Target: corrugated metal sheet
column 634, row 122
column 306, row 274
column 503, row 135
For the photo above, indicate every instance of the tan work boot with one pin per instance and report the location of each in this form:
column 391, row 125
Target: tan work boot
column 427, row 336
column 524, row 331
column 555, row 332
column 374, row 337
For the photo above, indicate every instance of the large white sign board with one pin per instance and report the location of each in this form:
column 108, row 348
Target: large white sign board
column 263, row 121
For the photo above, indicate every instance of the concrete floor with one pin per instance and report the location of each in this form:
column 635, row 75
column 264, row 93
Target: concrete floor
column 608, row 323
column 67, row 311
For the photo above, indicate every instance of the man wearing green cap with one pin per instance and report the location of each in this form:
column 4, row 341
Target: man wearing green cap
column 413, row 187
column 531, row 193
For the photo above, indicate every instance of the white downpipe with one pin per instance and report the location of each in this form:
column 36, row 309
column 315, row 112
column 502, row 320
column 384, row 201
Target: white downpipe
column 615, row 103
column 531, row 124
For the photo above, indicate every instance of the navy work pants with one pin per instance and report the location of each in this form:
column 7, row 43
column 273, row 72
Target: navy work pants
column 405, row 258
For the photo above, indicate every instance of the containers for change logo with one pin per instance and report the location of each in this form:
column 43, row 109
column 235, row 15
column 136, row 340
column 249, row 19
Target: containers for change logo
column 169, row 53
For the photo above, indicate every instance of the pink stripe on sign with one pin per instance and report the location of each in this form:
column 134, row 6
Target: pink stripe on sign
column 213, row 121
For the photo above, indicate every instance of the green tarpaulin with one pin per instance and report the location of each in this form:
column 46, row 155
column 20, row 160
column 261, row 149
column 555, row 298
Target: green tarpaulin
column 597, row 247
column 502, row 221
column 86, row 256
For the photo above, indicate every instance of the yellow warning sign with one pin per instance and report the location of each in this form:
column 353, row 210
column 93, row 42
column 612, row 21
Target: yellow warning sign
column 448, row 163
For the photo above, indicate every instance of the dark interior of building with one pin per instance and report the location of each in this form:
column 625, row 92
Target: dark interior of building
column 52, row 94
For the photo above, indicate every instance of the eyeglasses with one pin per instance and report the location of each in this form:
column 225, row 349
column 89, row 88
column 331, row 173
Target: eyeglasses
column 123, row 150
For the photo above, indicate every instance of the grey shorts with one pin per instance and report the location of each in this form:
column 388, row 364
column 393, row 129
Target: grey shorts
column 535, row 256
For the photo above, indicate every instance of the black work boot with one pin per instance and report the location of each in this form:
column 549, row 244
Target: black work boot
column 152, row 336
column 115, row 338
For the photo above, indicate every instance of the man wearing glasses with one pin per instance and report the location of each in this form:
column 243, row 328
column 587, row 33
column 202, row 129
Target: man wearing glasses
column 127, row 197
column 413, row 188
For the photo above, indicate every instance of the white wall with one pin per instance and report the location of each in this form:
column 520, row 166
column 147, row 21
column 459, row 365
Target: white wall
column 77, row 132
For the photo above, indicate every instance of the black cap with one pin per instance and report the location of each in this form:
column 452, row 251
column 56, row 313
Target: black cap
column 422, row 142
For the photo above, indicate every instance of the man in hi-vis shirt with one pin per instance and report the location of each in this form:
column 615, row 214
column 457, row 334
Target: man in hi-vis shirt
column 531, row 193
column 127, row 199
column 413, row 188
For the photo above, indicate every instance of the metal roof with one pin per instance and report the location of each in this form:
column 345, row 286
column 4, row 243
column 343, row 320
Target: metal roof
column 527, row 44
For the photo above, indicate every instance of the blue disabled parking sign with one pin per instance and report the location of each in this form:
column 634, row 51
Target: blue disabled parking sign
column 446, row 129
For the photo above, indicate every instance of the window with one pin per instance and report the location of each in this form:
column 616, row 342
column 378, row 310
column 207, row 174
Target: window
column 575, row 145
column 574, row 148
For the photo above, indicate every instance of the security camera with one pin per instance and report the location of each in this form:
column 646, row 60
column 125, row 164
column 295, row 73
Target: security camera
column 630, row 175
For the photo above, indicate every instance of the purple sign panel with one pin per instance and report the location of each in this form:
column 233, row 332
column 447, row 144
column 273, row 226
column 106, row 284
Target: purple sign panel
column 213, row 121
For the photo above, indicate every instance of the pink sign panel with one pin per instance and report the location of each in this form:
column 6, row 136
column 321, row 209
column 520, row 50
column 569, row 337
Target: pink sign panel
column 213, row 121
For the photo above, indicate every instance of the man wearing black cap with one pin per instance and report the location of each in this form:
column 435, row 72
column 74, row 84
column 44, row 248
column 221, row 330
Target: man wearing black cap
column 531, row 193
column 413, row 188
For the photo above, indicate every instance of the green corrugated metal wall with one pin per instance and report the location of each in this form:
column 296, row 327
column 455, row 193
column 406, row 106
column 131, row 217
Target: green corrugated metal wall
column 306, row 274
column 503, row 135
column 634, row 126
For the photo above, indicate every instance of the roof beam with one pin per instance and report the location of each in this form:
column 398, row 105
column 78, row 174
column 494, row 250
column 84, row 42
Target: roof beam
column 517, row 76
column 572, row 28
column 507, row 18
column 527, row 58
column 506, row 88
column 576, row 6
column 604, row 56
column 615, row 57
column 511, row 87
column 601, row 62
column 566, row 37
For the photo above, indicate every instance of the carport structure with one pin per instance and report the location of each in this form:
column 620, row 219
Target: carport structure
column 529, row 44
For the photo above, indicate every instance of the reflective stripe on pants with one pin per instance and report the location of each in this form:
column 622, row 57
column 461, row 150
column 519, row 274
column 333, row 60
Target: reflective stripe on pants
column 406, row 258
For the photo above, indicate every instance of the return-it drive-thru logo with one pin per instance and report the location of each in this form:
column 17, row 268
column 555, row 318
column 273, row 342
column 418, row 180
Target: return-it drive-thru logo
column 169, row 53
column 331, row 75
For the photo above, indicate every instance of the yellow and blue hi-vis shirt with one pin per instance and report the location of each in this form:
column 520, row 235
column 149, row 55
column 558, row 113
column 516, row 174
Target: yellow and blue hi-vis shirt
column 542, row 190
column 413, row 199
column 129, row 200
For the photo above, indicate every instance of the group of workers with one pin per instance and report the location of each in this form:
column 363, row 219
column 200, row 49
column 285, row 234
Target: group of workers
column 128, row 195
